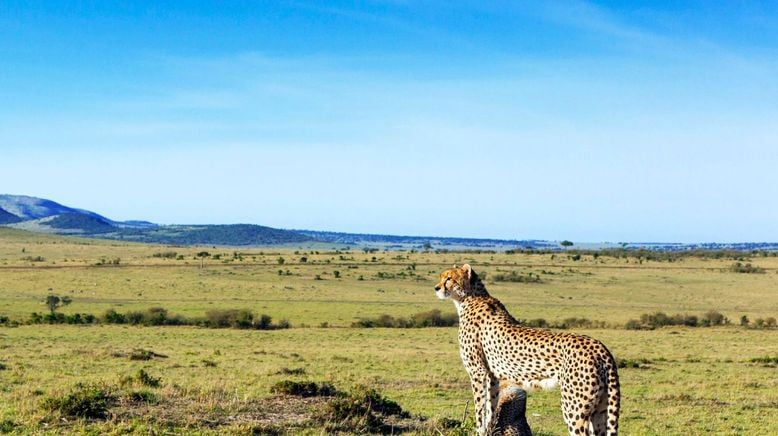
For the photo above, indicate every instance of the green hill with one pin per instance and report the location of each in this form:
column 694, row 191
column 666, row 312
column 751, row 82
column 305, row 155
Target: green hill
column 230, row 234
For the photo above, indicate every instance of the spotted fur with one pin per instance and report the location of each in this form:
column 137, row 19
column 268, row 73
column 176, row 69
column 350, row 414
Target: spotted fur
column 494, row 348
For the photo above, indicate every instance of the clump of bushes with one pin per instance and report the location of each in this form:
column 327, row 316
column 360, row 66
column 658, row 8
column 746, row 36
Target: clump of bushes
column 61, row 318
column 766, row 360
column 433, row 318
column 361, row 411
column 142, row 378
column 567, row 323
column 746, row 268
column 303, row 389
column 141, row 354
column 291, row 371
column 651, row 321
column 633, row 363
column 85, row 401
column 158, row 316
column 241, row 319
column 516, row 277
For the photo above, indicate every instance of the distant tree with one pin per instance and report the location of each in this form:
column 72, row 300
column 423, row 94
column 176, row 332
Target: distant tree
column 744, row 321
column 566, row 243
column 202, row 255
column 53, row 302
column 336, row 274
column 280, row 260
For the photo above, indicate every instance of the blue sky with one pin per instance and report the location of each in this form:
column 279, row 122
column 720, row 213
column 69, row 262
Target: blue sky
column 589, row 121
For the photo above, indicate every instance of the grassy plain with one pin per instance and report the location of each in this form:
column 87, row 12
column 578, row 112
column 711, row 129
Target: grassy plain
column 691, row 381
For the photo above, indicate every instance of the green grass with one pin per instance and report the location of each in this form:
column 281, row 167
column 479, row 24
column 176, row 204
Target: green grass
column 675, row 380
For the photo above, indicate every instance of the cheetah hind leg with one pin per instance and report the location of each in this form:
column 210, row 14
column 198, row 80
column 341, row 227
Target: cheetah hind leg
column 577, row 411
column 599, row 419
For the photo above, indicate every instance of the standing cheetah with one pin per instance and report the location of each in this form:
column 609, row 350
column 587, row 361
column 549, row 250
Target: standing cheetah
column 494, row 348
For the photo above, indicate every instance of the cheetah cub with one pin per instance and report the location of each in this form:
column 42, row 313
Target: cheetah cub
column 494, row 348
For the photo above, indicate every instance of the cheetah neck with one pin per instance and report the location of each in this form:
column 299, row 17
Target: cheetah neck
column 477, row 289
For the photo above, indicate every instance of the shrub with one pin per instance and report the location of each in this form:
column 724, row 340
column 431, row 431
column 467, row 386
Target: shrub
column 516, row 277
column 142, row 397
column 111, row 316
column 90, row 401
column 291, row 371
column 265, row 321
column 747, row 268
column 634, row 324
column 633, row 363
column 147, row 379
column 713, row 318
column 237, row 318
column 362, row 411
column 303, row 389
column 7, row 426
column 433, row 318
column 141, row 354
column 767, row 360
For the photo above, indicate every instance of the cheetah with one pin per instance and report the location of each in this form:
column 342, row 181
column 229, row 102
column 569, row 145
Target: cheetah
column 494, row 348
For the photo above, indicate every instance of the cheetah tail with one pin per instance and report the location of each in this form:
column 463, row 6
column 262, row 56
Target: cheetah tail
column 614, row 400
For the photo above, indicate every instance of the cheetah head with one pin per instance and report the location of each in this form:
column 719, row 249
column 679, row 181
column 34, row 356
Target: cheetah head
column 454, row 282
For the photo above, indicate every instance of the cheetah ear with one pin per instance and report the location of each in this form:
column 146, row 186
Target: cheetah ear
column 468, row 271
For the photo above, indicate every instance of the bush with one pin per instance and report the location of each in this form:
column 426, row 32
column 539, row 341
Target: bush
column 142, row 397
column 517, row 277
column 236, row 318
column 433, row 318
column 113, row 317
column 362, row 411
column 7, row 426
column 89, row 401
column 767, row 360
column 746, row 268
column 633, row 363
column 303, row 389
column 713, row 318
column 145, row 379
column 141, row 354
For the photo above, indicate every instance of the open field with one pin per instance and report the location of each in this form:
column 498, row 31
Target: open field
column 690, row 380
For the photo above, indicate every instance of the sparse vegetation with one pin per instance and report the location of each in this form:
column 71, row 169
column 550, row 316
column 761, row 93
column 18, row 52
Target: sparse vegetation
column 84, row 401
column 516, row 277
column 746, row 268
column 433, row 318
column 218, row 381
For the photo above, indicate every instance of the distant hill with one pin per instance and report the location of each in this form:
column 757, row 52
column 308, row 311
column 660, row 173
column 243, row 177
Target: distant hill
column 46, row 216
column 30, row 208
column 87, row 224
column 7, row 217
column 227, row 234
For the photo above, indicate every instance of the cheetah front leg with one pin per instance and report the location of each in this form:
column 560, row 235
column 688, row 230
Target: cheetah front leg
column 486, row 389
